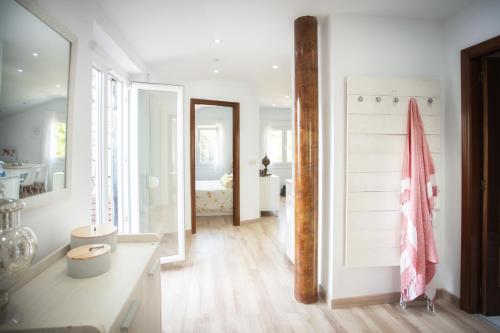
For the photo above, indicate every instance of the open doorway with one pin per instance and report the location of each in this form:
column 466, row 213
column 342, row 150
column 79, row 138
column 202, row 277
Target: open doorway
column 214, row 160
column 480, row 275
column 276, row 181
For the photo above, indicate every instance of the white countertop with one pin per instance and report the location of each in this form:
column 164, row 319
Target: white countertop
column 9, row 177
column 22, row 166
column 53, row 299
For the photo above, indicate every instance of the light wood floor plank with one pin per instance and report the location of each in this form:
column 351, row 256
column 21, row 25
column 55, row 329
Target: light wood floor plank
column 237, row 279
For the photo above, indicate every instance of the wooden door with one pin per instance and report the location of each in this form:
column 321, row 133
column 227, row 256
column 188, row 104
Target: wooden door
column 491, row 187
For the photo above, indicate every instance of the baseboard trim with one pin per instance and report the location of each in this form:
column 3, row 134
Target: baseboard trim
column 351, row 302
column 445, row 294
column 387, row 298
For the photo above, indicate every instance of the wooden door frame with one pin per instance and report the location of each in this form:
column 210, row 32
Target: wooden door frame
column 472, row 167
column 236, row 156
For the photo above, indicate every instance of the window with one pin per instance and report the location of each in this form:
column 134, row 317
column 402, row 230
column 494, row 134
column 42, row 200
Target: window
column 275, row 145
column 289, row 146
column 59, row 140
column 280, row 145
column 208, row 138
column 109, row 128
column 95, row 114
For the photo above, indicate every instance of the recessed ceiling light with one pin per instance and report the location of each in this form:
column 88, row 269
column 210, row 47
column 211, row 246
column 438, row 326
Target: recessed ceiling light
column 287, row 97
column 20, row 70
column 216, row 71
column 35, row 54
column 275, row 67
column 217, row 41
column 274, row 105
column 58, row 86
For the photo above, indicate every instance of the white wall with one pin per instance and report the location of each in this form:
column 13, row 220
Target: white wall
column 369, row 46
column 53, row 223
column 278, row 117
column 222, row 117
column 246, row 95
column 325, row 202
column 466, row 28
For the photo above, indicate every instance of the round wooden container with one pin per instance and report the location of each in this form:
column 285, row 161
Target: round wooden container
column 94, row 234
column 89, row 260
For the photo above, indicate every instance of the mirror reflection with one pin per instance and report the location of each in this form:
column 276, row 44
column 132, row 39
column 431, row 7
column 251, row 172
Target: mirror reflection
column 34, row 75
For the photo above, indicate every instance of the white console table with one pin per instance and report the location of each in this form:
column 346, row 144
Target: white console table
column 127, row 298
column 270, row 194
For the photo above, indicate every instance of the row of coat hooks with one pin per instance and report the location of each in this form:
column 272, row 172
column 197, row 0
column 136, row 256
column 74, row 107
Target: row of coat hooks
column 378, row 99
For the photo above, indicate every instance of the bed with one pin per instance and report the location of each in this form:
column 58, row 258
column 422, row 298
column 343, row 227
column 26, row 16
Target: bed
column 212, row 198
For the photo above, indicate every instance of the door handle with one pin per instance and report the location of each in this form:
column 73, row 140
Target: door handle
column 129, row 318
column 154, row 268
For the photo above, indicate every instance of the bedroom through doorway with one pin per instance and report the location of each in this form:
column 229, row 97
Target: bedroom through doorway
column 214, row 161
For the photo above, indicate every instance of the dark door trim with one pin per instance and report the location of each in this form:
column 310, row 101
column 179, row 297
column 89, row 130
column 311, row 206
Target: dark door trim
column 236, row 156
column 472, row 172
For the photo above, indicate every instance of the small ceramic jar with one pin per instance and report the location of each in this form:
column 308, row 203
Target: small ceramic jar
column 93, row 234
column 89, row 260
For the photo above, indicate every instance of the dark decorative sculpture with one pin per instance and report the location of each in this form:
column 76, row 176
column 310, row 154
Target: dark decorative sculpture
column 265, row 161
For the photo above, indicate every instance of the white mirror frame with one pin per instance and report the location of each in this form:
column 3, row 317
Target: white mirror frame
column 55, row 196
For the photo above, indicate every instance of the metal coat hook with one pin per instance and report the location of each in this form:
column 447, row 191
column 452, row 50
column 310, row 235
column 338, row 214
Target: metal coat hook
column 396, row 99
column 430, row 100
column 360, row 98
column 378, row 99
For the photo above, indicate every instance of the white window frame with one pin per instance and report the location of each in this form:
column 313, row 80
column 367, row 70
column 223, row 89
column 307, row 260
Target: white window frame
column 59, row 160
column 198, row 152
column 284, row 154
column 123, row 217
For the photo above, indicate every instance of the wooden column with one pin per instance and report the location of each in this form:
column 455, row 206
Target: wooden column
column 306, row 159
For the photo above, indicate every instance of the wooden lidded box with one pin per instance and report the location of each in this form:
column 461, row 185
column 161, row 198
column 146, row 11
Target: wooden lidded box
column 95, row 234
column 89, row 260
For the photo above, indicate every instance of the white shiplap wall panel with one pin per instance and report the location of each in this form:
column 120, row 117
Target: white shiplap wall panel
column 376, row 135
column 374, row 163
column 372, row 201
column 373, row 257
column 375, row 238
column 374, row 220
column 374, row 181
column 359, row 163
column 388, row 106
column 388, row 124
column 384, row 144
column 380, row 220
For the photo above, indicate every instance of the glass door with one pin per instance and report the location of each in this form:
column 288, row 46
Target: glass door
column 156, row 166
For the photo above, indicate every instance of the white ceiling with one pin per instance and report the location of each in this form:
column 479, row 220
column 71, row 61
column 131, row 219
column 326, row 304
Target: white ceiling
column 43, row 78
column 175, row 38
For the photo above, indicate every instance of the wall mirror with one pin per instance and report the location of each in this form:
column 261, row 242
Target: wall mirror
column 34, row 81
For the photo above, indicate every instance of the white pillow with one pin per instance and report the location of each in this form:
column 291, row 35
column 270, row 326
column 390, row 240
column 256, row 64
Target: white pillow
column 227, row 180
column 224, row 177
column 228, row 183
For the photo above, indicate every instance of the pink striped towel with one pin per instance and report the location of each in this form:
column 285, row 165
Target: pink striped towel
column 418, row 193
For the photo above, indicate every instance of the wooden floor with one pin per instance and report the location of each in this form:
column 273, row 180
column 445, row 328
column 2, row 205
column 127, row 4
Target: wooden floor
column 236, row 279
